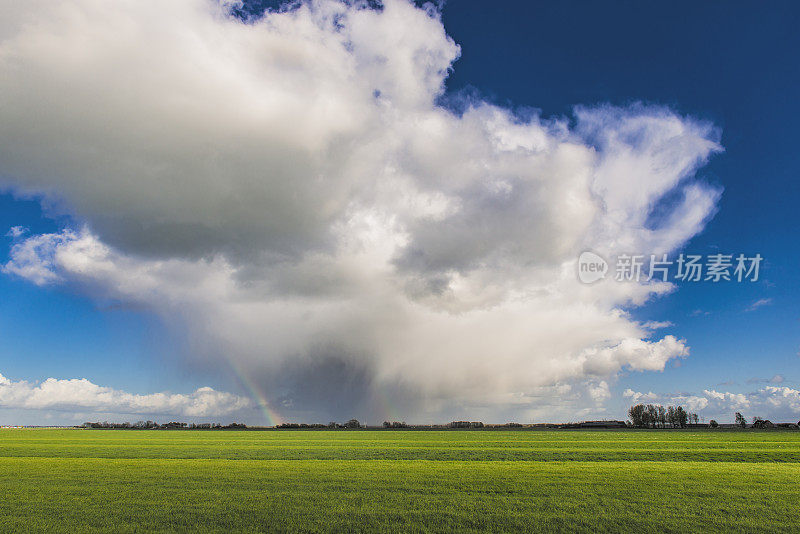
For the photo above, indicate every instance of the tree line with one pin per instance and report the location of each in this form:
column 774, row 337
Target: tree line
column 172, row 425
column 657, row 416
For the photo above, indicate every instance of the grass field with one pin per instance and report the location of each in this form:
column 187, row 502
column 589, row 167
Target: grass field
column 628, row 481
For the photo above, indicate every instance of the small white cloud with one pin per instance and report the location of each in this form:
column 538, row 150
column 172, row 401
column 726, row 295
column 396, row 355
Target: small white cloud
column 637, row 397
column 655, row 325
column 729, row 400
column 758, row 304
column 777, row 379
column 16, row 231
column 693, row 403
column 35, row 257
column 599, row 392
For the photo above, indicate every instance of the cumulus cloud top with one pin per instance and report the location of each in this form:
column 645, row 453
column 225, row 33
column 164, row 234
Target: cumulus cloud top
column 79, row 394
column 288, row 192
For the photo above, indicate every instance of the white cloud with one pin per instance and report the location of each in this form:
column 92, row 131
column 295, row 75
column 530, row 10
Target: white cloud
column 599, row 392
column 693, row 403
column 288, row 194
column 637, row 397
column 776, row 379
column 16, row 231
column 730, row 400
column 82, row 395
column 657, row 325
column 781, row 398
column 33, row 258
column 758, row 304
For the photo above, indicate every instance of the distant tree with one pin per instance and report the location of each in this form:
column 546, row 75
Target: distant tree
column 332, row 424
column 695, row 418
column 681, row 416
column 713, row 423
column 758, row 422
column 288, row 425
column 352, row 423
column 662, row 416
column 652, row 416
column 740, row 420
column 672, row 416
column 387, row 424
column 637, row 415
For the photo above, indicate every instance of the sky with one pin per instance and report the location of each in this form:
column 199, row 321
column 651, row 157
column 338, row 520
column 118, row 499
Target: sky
column 327, row 211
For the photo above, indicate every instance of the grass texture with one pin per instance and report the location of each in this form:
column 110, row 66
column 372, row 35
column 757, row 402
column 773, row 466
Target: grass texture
column 399, row 481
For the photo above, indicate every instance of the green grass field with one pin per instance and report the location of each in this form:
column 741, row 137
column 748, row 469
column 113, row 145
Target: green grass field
column 628, row 481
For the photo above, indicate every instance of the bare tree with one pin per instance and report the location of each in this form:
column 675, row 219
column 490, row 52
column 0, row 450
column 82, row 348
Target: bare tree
column 740, row 420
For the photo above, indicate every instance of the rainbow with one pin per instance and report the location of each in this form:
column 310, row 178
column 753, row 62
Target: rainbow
column 270, row 415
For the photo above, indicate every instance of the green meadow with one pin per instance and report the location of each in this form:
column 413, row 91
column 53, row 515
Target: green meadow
column 399, row 481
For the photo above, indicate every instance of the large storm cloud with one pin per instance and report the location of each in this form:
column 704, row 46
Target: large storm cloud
column 288, row 193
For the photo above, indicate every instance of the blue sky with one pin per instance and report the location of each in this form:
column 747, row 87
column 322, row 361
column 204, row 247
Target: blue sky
column 727, row 64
